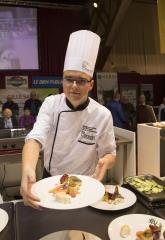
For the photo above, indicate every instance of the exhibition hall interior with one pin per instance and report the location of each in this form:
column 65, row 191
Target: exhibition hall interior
column 55, row 114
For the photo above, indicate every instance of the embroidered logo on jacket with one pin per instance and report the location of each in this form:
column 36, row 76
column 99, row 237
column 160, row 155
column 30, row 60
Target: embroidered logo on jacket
column 88, row 135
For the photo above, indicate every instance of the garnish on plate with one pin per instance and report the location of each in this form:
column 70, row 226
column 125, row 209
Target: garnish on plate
column 113, row 198
column 68, row 188
column 152, row 232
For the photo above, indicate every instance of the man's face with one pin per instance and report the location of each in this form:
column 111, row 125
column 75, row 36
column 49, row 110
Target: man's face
column 7, row 113
column 33, row 94
column 76, row 86
column 9, row 98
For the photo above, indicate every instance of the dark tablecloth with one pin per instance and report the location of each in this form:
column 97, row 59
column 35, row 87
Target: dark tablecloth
column 33, row 224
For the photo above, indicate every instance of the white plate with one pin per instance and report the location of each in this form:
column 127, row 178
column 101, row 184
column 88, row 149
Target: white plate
column 91, row 191
column 136, row 222
column 70, row 235
column 3, row 219
column 129, row 199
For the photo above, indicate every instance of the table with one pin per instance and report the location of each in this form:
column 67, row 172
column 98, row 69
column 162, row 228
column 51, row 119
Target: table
column 120, row 141
column 33, row 224
column 8, row 233
column 26, row 223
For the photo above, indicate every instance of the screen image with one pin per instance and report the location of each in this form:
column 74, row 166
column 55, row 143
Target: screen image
column 18, row 38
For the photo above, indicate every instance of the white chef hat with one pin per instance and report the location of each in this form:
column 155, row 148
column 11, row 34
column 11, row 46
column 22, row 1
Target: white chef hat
column 82, row 52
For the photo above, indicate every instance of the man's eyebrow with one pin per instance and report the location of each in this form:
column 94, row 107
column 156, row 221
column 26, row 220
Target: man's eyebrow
column 71, row 77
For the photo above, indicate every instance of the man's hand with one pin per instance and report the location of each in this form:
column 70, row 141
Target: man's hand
column 103, row 165
column 29, row 178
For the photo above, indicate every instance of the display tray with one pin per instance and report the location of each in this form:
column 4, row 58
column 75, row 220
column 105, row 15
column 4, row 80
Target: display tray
column 151, row 195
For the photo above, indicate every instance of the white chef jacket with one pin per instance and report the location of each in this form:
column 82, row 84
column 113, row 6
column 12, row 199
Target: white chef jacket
column 73, row 141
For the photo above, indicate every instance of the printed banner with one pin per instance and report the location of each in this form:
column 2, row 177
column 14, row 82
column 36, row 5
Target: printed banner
column 45, row 92
column 107, row 83
column 16, row 81
column 46, row 82
column 130, row 91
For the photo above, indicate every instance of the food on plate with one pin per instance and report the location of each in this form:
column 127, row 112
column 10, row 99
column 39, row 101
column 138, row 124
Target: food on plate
column 152, row 232
column 125, row 231
column 68, row 188
column 144, row 235
column 148, row 186
column 75, row 180
column 62, row 197
column 113, row 198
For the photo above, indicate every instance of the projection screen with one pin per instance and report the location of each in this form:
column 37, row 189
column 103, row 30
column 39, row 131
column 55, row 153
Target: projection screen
column 18, row 38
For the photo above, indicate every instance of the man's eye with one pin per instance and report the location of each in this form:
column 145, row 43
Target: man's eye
column 70, row 80
column 81, row 81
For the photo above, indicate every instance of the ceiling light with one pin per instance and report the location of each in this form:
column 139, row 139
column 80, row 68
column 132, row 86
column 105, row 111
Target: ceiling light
column 95, row 4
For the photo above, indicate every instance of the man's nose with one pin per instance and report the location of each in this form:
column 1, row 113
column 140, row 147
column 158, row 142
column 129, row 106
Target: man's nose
column 75, row 83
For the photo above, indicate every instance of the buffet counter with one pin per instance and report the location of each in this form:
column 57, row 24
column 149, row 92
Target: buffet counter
column 126, row 156
column 10, row 163
column 26, row 223
column 151, row 149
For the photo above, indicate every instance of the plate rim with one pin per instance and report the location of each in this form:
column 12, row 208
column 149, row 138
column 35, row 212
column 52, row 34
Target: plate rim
column 66, row 206
column 6, row 216
column 133, row 194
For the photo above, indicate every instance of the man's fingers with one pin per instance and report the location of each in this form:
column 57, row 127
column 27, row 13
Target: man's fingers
column 34, row 204
column 101, row 174
column 98, row 171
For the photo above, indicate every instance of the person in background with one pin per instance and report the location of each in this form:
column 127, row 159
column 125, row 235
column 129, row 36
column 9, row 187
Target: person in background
column 142, row 99
column 33, row 103
column 114, row 105
column 8, row 120
column 145, row 113
column 11, row 105
column 75, row 132
column 26, row 120
column 1, row 106
column 129, row 112
column 161, row 110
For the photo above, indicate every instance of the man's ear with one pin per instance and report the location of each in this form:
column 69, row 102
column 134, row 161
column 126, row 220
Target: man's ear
column 91, row 84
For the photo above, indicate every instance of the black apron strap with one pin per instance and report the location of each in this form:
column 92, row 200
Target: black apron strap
column 46, row 174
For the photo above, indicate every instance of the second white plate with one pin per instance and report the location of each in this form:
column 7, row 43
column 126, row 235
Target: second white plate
column 129, row 199
column 136, row 222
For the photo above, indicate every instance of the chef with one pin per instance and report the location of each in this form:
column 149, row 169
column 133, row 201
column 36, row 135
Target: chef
column 75, row 132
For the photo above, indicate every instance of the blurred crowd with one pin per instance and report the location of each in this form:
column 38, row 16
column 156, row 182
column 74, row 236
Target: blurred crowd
column 126, row 116
column 9, row 112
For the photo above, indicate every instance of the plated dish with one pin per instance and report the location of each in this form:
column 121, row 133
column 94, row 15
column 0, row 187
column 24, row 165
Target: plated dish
column 129, row 198
column 90, row 192
column 70, row 235
column 148, row 186
column 135, row 223
column 4, row 218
